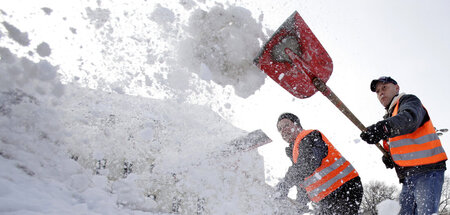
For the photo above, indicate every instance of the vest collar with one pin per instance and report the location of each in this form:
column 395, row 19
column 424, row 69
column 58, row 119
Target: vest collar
column 394, row 102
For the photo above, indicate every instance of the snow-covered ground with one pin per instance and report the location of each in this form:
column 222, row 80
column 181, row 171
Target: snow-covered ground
column 111, row 107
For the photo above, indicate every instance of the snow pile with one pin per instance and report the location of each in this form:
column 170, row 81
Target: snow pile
column 76, row 139
column 92, row 152
column 30, row 77
column 37, row 175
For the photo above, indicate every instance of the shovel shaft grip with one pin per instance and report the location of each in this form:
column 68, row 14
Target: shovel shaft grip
column 327, row 92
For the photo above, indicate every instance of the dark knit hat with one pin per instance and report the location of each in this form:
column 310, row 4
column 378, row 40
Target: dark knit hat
column 384, row 79
column 289, row 116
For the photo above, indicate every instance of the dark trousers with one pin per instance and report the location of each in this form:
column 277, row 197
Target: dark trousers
column 421, row 193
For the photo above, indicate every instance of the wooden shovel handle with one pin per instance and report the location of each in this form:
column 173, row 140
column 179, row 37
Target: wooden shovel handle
column 326, row 91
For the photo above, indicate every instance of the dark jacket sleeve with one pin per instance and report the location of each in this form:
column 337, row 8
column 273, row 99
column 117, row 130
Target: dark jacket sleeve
column 311, row 152
column 411, row 115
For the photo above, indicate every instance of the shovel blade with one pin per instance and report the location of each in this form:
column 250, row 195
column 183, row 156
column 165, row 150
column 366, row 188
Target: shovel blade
column 297, row 36
column 245, row 143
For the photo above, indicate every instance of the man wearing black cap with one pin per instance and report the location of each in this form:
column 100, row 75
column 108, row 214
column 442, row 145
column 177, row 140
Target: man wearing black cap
column 413, row 145
column 322, row 175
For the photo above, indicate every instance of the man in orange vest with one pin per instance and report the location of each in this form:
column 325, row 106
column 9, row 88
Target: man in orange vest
column 322, row 175
column 414, row 147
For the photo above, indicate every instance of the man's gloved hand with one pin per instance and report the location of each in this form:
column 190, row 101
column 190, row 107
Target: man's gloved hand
column 281, row 190
column 301, row 203
column 388, row 162
column 376, row 132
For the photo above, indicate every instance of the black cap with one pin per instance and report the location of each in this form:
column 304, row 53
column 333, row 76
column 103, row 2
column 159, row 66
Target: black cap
column 291, row 117
column 384, row 79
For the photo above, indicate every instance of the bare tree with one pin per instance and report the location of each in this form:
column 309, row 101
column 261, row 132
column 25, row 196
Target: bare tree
column 374, row 193
column 444, row 205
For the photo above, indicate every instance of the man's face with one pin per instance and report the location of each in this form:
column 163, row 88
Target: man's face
column 385, row 92
column 288, row 130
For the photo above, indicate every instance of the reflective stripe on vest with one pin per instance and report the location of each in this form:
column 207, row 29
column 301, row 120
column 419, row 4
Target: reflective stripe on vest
column 418, row 148
column 333, row 172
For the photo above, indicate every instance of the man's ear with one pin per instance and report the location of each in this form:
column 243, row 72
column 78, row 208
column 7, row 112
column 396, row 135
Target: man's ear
column 397, row 88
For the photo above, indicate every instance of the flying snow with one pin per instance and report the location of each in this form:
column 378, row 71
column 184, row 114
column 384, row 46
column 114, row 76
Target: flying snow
column 113, row 111
column 225, row 41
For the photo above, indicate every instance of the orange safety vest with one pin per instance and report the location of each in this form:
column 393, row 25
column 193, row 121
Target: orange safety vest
column 332, row 173
column 420, row 147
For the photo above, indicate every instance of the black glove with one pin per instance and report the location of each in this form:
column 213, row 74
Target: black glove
column 281, row 190
column 302, row 201
column 388, row 162
column 376, row 132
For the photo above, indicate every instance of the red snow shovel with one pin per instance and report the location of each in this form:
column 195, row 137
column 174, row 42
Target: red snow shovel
column 295, row 59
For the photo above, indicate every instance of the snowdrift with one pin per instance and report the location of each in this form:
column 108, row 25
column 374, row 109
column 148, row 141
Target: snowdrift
column 87, row 151
column 79, row 138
